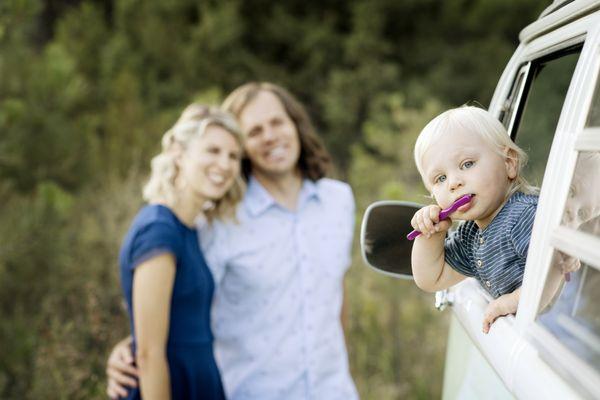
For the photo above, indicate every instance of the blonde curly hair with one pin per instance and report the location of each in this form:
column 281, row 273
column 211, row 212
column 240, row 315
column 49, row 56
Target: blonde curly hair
column 192, row 123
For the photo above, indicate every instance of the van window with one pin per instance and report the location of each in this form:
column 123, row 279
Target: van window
column 582, row 209
column 574, row 319
column 570, row 304
column 540, row 108
column 508, row 113
column 594, row 115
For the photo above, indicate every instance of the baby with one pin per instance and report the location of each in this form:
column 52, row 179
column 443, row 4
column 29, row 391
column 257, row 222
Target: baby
column 467, row 151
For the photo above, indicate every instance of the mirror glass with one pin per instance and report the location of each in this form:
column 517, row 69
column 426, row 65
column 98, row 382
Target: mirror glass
column 383, row 241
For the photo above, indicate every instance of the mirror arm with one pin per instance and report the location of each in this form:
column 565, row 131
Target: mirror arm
column 443, row 298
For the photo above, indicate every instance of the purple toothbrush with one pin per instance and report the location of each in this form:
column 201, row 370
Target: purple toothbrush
column 445, row 213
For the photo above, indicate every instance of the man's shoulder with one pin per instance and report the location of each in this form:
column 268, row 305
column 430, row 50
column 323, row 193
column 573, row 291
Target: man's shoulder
column 333, row 186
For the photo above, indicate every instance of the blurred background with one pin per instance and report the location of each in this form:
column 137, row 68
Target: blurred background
column 87, row 88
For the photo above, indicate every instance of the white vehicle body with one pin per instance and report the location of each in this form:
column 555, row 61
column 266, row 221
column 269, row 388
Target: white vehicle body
column 520, row 357
column 549, row 100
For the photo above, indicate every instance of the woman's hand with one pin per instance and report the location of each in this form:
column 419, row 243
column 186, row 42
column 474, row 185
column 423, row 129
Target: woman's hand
column 120, row 370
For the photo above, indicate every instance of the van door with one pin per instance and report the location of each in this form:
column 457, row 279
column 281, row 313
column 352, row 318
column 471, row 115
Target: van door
column 544, row 98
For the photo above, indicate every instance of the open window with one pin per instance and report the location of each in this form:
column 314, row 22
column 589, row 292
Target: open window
column 569, row 314
column 536, row 101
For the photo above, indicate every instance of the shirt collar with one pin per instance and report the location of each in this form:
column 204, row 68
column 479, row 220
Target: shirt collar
column 257, row 199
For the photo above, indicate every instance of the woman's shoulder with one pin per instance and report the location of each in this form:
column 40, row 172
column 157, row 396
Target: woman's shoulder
column 154, row 226
column 154, row 215
column 155, row 220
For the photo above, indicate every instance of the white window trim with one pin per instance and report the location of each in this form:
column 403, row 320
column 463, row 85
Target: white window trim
column 589, row 139
column 558, row 175
column 584, row 246
column 554, row 353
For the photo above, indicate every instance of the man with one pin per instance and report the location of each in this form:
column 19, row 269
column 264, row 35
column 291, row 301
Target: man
column 279, row 271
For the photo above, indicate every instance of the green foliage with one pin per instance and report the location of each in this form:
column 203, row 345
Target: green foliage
column 87, row 88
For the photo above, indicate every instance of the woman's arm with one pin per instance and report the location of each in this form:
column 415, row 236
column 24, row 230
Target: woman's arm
column 152, row 288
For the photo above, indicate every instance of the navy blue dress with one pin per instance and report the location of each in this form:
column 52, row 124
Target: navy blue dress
column 193, row 371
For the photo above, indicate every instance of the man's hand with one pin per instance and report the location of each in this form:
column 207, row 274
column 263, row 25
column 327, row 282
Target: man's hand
column 120, row 370
column 503, row 305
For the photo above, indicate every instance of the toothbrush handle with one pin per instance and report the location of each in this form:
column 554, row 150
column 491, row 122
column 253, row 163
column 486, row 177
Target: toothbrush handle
column 413, row 235
column 442, row 215
column 445, row 213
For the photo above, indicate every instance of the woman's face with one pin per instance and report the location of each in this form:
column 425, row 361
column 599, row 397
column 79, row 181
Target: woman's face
column 211, row 163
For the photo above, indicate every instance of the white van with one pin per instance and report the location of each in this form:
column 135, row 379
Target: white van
column 549, row 100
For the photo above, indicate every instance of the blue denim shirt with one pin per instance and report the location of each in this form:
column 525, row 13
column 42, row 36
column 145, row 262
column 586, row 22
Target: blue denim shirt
column 496, row 255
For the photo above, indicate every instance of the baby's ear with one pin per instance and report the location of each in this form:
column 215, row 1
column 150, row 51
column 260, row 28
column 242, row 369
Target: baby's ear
column 511, row 161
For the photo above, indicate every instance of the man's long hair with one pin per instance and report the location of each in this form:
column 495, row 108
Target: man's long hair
column 314, row 162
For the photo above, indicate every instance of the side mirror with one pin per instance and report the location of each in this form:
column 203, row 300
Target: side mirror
column 383, row 241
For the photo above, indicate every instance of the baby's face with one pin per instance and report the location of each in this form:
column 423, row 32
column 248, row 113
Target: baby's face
column 583, row 203
column 462, row 163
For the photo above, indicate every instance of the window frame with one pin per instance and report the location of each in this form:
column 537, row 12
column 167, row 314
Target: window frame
column 570, row 138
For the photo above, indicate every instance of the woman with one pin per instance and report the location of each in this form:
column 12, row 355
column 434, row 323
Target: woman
column 166, row 282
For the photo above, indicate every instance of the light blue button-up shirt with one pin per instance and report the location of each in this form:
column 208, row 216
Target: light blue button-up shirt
column 279, row 292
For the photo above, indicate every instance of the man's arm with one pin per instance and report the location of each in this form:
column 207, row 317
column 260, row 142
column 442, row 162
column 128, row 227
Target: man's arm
column 120, row 370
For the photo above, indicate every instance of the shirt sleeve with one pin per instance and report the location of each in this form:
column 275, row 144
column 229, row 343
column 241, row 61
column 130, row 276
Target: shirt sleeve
column 154, row 239
column 456, row 251
column 213, row 238
column 351, row 217
column 520, row 233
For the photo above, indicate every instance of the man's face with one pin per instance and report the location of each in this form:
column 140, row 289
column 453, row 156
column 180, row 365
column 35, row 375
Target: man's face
column 272, row 142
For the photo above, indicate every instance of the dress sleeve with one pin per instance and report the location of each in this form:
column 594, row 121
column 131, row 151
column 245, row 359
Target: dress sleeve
column 456, row 251
column 520, row 233
column 154, row 239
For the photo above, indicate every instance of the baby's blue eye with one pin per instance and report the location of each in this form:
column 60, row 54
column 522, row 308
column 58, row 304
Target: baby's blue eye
column 468, row 164
column 440, row 179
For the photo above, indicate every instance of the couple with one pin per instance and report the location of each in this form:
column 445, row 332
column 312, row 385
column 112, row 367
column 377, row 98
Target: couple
column 278, row 264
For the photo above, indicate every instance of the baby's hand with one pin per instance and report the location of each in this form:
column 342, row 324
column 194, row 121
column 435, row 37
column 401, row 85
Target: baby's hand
column 503, row 305
column 427, row 221
column 567, row 263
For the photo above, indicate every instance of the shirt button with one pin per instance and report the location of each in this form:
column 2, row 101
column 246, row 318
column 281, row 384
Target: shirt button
column 479, row 263
column 481, row 240
column 488, row 284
